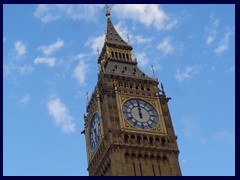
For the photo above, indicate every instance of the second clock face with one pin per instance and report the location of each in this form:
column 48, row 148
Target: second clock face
column 140, row 114
column 95, row 131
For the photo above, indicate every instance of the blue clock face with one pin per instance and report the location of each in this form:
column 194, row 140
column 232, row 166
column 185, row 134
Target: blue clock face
column 140, row 114
column 95, row 131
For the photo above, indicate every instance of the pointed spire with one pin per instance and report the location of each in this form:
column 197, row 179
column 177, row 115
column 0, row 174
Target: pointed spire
column 107, row 10
column 112, row 36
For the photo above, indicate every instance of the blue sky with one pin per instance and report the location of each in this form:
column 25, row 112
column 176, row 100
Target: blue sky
column 50, row 62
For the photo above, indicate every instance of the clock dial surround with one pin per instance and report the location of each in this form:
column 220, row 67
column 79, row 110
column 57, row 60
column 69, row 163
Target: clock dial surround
column 95, row 131
column 140, row 114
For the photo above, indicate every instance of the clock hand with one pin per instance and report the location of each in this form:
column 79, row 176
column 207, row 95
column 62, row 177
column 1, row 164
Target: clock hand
column 139, row 110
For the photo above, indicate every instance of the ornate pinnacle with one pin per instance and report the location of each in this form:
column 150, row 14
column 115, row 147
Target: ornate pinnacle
column 128, row 37
column 162, row 89
column 107, row 10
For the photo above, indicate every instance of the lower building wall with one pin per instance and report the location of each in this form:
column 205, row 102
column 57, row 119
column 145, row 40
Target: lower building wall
column 124, row 164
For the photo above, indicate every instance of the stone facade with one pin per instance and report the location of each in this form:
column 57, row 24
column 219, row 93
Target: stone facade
column 123, row 149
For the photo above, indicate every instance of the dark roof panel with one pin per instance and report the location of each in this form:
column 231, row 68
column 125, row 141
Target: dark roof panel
column 112, row 36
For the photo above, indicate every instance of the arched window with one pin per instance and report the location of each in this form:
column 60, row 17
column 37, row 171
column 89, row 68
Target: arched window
column 112, row 54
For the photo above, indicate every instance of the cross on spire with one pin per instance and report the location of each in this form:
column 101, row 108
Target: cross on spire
column 107, row 10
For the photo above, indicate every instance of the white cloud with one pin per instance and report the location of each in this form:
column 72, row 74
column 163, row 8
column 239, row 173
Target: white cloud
column 142, row 59
column 187, row 73
column 165, row 46
column 25, row 69
column 76, row 12
column 147, row 14
column 95, row 42
column 80, row 71
column 45, row 60
column 20, row 48
column 25, row 99
column 171, row 24
column 60, row 114
column 223, row 45
column 211, row 30
column 226, row 137
column 122, row 30
column 47, row 50
column 141, row 39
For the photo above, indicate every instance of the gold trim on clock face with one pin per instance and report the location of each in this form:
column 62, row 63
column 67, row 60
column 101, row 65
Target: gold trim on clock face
column 140, row 114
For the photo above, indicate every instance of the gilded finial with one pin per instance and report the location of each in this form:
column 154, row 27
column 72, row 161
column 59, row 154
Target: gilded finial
column 107, row 10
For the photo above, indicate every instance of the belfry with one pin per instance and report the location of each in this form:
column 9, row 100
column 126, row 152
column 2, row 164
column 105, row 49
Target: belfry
column 128, row 127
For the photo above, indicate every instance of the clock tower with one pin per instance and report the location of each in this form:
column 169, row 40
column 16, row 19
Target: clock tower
column 128, row 127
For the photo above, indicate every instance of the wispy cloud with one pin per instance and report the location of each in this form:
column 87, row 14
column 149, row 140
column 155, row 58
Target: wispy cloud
column 25, row 69
column 45, row 60
column 75, row 12
column 47, row 50
column 95, row 42
column 122, row 30
column 80, row 71
column 147, row 14
column 141, row 39
column 60, row 114
column 20, row 48
column 142, row 59
column 25, row 99
column 211, row 30
column 188, row 72
column 224, row 136
column 223, row 45
column 165, row 46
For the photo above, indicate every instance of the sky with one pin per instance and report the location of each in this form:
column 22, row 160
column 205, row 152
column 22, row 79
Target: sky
column 50, row 63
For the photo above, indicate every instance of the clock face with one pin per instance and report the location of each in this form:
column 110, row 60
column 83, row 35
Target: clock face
column 94, row 131
column 140, row 114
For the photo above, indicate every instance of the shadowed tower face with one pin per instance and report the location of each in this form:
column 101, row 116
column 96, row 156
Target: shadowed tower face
column 128, row 127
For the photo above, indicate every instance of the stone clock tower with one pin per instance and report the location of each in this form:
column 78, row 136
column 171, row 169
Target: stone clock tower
column 128, row 127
